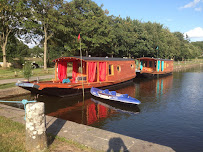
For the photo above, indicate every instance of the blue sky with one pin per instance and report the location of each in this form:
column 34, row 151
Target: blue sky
column 185, row 16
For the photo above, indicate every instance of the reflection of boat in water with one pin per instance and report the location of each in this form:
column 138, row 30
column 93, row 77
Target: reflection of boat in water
column 153, row 87
column 84, row 112
column 119, row 107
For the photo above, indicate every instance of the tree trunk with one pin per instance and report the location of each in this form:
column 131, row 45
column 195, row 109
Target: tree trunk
column 4, row 38
column 4, row 55
column 45, row 49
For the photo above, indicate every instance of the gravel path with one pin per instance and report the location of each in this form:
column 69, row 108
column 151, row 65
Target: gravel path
column 32, row 78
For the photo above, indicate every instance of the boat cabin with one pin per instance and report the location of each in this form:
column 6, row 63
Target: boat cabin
column 154, row 65
column 94, row 69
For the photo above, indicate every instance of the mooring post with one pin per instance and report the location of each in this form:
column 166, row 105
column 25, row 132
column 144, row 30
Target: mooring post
column 36, row 139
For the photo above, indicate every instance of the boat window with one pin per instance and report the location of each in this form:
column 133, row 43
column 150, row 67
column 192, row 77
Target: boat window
column 150, row 63
column 111, row 72
column 132, row 65
column 118, row 68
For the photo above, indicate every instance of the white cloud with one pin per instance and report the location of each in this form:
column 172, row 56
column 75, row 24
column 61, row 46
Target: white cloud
column 195, row 34
column 198, row 9
column 191, row 4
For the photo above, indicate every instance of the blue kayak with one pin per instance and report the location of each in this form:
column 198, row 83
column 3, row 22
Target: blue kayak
column 113, row 95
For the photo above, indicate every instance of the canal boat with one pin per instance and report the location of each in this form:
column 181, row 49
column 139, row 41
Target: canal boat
column 113, row 96
column 87, row 72
column 148, row 67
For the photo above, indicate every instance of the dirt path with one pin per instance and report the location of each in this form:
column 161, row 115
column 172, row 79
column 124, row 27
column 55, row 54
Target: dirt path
column 21, row 79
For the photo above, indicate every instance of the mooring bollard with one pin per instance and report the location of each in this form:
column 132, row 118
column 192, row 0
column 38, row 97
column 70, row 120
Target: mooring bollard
column 36, row 139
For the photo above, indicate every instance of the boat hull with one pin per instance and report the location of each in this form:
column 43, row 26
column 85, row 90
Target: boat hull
column 63, row 92
column 151, row 75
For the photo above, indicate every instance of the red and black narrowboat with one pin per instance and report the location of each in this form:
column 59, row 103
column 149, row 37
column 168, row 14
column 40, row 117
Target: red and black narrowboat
column 154, row 66
column 94, row 72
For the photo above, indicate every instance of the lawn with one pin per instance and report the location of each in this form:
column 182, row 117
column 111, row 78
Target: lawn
column 188, row 62
column 12, row 138
column 10, row 73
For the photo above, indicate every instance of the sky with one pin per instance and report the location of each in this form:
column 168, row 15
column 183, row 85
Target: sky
column 185, row 16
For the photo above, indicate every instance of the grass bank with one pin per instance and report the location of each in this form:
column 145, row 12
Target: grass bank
column 187, row 62
column 12, row 138
column 10, row 73
column 7, row 85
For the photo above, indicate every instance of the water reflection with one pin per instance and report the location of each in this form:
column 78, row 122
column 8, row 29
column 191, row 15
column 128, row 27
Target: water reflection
column 119, row 107
column 152, row 89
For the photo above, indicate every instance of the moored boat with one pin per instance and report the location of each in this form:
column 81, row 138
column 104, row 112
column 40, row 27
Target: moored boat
column 147, row 66
column 114, row 96
column 94, row 72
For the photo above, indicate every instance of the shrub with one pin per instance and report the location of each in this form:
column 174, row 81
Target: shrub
column 27, row 70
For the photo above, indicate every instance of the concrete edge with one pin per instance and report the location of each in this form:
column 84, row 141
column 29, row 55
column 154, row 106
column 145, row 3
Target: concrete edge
column 89, row 136
column 14, row 91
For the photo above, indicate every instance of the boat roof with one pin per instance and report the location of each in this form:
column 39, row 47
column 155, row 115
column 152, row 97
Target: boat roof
column 75, row 58
column 149, row 58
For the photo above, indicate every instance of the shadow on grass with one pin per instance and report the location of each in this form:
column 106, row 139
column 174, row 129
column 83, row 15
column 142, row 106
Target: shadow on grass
column 54, row 129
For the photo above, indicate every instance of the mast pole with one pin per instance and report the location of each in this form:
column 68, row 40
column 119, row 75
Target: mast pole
column 83, row 92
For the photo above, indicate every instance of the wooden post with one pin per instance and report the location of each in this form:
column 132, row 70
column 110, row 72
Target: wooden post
column 36, row 139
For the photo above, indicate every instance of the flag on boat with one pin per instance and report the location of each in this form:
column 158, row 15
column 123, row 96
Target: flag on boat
column 79, row 37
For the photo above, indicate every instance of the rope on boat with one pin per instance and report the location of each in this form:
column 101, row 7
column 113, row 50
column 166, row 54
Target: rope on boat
column 24, row 102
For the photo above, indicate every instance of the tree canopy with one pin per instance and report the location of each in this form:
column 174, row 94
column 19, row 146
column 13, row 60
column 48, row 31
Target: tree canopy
column 57, row 23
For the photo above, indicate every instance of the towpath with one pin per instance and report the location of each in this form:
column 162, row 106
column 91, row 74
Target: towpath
column 4, row 81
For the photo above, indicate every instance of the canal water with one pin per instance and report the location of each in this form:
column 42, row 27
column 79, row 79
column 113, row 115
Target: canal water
column 171, row 112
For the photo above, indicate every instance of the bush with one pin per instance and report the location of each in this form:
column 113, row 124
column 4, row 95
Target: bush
column 27, row 70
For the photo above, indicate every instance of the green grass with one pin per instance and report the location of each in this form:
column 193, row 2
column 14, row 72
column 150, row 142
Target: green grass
column 7, row 85
column 11, row 73
column 188, row 62
column 12, row 138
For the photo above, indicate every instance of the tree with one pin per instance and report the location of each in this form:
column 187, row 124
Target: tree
column 91, row 22
column 27, row 70
column 12, row 15
column 45, row 20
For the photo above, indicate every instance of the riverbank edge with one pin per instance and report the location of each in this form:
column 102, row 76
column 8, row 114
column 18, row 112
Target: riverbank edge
column 11, row 92
column 86, row 135
column 186, row 66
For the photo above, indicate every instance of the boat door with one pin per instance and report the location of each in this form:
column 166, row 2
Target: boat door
column 141, row 65
column 158, row 65
column 162, row 65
